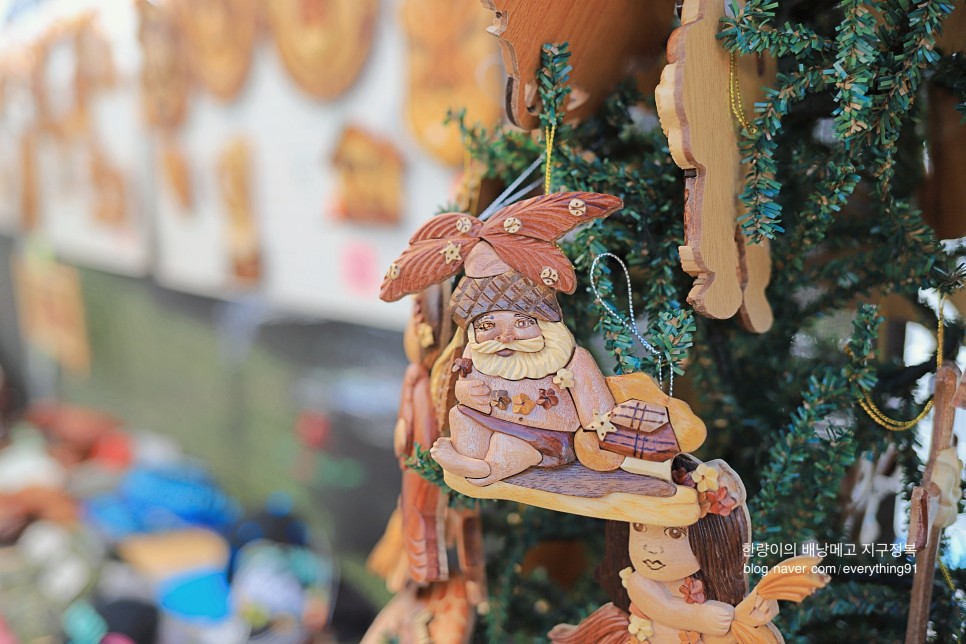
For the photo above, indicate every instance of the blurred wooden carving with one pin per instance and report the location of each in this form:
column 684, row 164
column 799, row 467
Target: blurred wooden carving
column 609, row 40
column 110, row 200
column 51, row 310
column 694, row 105
column 234, row 178
column 164, row 68
column 370, row 178
column 220, row 37
column 29, row 196
column 323, row 43
column 453, row 64
column 77, row 45
column 177, row 172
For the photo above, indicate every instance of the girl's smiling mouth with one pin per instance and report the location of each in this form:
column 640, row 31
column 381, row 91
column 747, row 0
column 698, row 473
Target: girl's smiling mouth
column 653, row 564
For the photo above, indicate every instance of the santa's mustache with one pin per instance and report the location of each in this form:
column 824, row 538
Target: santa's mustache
column 530, row 345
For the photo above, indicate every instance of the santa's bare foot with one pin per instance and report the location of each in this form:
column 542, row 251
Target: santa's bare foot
column 507, row 455
column 453, row 462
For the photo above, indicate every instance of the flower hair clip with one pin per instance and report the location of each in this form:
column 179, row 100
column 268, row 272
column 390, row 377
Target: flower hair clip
column 714, row 497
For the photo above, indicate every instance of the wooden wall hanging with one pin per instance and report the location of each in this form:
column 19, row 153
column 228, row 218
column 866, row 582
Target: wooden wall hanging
column 608, row 41
column 177, row 174
column 164, row 68
column 693, row 103
column 58, row 113
column 323, row 43
column 110, row 191
column 220, row 39
column 51, row 310
column 234, row 180
column 29, row 192
column 370, row 173
column 452, row 64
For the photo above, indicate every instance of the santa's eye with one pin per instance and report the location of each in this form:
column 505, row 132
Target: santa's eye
column 484, row 326
column 675, row 533
column 639, row 527
column 522, row 323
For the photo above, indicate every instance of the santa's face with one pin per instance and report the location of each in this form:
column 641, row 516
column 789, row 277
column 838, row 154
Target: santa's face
column 513, row 345
column 508, row 329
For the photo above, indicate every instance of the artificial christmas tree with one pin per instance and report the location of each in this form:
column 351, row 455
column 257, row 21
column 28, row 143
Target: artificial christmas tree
column 833, row 158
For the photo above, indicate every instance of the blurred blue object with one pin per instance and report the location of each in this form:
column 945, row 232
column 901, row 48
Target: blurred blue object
column 197, row 597
column 165, row 498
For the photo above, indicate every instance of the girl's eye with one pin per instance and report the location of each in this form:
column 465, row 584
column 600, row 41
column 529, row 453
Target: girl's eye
column 675, row 533
column 638, row 527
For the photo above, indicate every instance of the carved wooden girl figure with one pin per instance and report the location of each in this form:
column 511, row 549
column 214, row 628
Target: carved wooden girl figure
column 687, row 583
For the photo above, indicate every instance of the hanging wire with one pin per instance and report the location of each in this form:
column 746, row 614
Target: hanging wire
column 508, row 194
column 548, row 134
column 631, row 326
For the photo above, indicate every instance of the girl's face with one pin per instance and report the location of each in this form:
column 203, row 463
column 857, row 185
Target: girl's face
column 660, row 553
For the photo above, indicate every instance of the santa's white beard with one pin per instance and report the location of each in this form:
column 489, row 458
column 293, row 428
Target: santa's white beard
column 524, row 362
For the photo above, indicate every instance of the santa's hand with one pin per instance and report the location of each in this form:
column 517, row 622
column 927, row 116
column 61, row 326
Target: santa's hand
column 474, row 393
column 756, row 611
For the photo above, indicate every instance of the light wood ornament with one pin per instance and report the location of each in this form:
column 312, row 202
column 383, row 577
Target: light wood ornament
column 933, row 504
column 370, row 172
column 234, row 178
column 693, row 103
column 164, row 68
column 220, row 38
column 323, row 43
column 452, row 64
column 607, row 40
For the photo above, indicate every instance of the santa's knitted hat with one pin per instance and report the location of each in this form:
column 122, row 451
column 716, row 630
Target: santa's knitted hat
column 511, row 261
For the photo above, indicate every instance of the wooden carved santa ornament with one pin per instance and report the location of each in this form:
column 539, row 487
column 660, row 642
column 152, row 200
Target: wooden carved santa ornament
column 687, row 583
column 220, row 39
column 323, row 43
column 535, row 420
column 694, row 103
column 431, row 597
column 610, row 39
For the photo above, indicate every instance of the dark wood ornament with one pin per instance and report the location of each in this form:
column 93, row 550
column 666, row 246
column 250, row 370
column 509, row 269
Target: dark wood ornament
column 608, row 40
